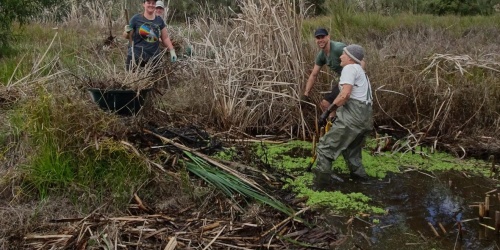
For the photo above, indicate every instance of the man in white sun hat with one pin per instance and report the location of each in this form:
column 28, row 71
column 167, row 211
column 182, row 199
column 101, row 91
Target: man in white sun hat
column 353, row 107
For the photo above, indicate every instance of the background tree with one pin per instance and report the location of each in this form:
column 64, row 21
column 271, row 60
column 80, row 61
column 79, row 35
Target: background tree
column 460, row 7
column 21, row 11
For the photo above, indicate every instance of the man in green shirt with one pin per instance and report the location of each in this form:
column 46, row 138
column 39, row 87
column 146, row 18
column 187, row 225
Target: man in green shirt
column 330, row 55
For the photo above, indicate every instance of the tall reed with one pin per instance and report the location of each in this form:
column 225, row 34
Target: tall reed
column 252, row 65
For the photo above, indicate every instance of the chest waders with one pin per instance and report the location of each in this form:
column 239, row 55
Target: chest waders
column 347, row 136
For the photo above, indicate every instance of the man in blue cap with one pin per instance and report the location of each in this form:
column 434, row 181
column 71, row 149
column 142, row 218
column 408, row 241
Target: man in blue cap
column 330, row 55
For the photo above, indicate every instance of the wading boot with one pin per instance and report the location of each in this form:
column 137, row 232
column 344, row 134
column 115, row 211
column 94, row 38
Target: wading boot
column 359, row 174
column 324, row 181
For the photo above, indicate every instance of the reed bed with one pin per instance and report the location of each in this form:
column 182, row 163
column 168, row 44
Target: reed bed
column 435, row 87
column 431, row 86
column 252, row 66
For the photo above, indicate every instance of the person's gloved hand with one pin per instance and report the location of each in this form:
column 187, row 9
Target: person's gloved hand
column 127, row 28
column 173, row 56
column 305, row 98
column 323, row 118
column 189, row 51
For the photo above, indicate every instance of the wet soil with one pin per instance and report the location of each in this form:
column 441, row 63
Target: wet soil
column 418, row 203
column 424, row 209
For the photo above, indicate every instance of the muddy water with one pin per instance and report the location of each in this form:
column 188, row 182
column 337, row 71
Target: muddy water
column 413, row 201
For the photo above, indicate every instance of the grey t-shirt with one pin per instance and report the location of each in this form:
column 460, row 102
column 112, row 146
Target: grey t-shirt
column 146, row 36
column 333, row 59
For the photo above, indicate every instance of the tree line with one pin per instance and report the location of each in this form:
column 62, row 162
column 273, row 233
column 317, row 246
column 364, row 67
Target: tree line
column 24, row 11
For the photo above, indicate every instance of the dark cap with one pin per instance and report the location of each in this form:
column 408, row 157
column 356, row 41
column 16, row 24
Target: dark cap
column 321, row 32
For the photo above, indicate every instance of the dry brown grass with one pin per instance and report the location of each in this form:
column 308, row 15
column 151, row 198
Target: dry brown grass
column 434, row 86
column 246, row 76
column 250, row 66
column 103, row 73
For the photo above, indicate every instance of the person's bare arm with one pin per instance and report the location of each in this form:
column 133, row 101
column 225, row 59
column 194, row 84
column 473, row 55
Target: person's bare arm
column 344, row 95
column 312, row 79
column 341, row 99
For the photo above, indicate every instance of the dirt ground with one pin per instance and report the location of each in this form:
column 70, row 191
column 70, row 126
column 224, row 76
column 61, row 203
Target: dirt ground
column 424, row 210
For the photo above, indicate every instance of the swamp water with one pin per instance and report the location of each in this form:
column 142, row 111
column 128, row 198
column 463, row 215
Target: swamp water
column 414, row 201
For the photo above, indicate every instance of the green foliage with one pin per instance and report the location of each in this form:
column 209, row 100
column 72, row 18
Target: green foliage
column 366, row 28
column 228, row 154
column 20, row 56
column 318, row 5
column 341, row 202
column 459, row 7
column 289, row 157
column 110, row 170
column 341, row 12
column 5, row 51
column 49, row 171
column 61, row 162
column 392, row 7
column 293, row 157
column 8, row 67
column 351, row 203
column 21, row 11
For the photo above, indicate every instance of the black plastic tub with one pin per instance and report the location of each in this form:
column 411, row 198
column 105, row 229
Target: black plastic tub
column 121, row 102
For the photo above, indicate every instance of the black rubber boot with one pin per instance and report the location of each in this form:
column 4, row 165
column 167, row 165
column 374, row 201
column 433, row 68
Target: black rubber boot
column 320, row 182
column 359, row 174
column 324, row 181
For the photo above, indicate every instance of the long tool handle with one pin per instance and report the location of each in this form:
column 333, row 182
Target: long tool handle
column 323, row 131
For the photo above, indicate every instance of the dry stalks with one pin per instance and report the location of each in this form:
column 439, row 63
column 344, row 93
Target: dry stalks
column 103, row 73
column 445, row 97
column 211, row 230
column 251, row 65
column 96, row 13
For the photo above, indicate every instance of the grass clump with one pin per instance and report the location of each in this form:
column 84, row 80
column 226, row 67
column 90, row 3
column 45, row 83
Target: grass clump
column 231, row 185
column 49, row 171
column 111, row 170
column 75, row 148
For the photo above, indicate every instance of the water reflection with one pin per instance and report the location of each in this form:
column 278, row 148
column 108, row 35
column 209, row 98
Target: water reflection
column 414, row 201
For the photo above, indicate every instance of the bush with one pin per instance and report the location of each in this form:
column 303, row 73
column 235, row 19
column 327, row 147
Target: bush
column 435, row 7
column 21, row 11
column 458, row 7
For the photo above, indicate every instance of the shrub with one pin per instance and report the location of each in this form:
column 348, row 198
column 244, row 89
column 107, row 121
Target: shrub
column 21, row 11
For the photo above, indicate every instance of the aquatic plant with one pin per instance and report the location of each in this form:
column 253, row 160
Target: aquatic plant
column 293, row 158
